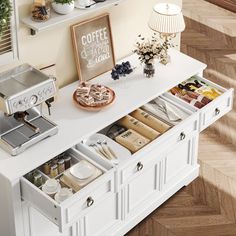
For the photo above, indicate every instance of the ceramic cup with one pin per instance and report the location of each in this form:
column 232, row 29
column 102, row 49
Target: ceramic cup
column 63, row 194
column 51, row 187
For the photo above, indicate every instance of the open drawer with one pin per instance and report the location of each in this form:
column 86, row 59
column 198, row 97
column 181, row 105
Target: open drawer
column 213, row 110
column 64, row 214
column 129, row 161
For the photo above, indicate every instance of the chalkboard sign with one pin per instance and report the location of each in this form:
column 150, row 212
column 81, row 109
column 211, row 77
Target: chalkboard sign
column 93, row 47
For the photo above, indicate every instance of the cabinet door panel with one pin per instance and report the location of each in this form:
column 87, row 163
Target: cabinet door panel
column 102, row 217
column 39, row 225
column 179, row 160
column 141, row 188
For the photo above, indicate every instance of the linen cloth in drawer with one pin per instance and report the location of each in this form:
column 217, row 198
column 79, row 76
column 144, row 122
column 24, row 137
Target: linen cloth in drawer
column 67, row 212
column 213, row 110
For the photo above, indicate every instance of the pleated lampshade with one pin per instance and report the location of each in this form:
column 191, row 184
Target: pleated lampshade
column 167, row 18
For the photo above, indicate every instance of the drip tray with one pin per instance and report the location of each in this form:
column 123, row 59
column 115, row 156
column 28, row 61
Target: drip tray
column 22, row 137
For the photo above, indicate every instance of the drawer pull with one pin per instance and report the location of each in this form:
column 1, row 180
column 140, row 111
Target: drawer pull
column 139, row 166
column 217, row 111
column 182, row 136
column 90, row 201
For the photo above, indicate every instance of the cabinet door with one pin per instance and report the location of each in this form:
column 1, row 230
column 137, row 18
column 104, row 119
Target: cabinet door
column 142, row 187
column 37, row 224
column 180, row 160
column 102, row 217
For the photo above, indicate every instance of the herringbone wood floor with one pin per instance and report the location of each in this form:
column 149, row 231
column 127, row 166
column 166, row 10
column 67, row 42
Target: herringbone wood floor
column 208, row 206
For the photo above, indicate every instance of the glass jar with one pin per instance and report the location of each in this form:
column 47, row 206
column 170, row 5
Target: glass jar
column 54, row 171
column 148, row 70
column 40, row 10
column 61, row 166
column 38, row 180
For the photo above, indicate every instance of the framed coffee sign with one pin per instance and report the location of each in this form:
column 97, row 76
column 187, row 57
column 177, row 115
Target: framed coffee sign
column 93, row 47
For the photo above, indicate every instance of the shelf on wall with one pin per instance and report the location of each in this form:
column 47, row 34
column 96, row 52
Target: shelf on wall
column 57, row 19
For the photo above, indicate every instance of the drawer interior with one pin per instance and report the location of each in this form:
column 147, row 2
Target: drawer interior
column 33, row 178
column 196, row 92
column 92, row 145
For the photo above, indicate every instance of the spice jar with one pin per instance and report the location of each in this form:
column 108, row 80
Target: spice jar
column 46, row 168
column 54, row 171
column 61, row 166
column 40, row 10
column 38, row 180
column 67, row 162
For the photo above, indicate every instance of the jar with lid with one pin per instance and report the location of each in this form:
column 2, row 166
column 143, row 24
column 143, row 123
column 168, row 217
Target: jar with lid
column 54, row 171
column 40, row 10
column 38, row 180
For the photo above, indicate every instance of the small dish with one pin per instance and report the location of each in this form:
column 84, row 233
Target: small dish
column 91, row 4
column 83, row 170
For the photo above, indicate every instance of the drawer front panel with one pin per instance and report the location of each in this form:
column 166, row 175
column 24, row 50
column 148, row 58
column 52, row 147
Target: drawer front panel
column 216, row 109
column 90, row 200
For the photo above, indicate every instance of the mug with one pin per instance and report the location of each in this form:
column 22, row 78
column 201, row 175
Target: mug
column 63, row 194
column 51, row 187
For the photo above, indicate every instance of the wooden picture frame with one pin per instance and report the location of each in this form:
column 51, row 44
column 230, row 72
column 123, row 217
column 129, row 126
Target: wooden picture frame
column 93, row 47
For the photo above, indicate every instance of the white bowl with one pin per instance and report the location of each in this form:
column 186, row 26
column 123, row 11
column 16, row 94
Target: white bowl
column 63, row 8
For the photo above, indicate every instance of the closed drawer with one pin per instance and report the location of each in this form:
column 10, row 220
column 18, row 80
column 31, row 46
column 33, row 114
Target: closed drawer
column 67, row 212
column 213, row 110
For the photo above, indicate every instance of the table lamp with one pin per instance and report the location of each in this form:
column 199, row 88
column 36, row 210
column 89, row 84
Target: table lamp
column 166, row 19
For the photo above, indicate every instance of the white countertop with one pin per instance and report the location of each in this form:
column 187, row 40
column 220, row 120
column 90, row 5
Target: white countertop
column 74, row 124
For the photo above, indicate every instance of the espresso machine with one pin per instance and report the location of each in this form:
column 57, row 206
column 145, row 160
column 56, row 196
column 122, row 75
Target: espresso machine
column 23, row 90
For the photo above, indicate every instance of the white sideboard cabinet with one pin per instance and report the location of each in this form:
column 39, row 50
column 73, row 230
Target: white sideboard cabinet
column 126, row 192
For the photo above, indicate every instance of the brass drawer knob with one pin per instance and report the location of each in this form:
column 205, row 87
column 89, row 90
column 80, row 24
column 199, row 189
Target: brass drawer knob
column 90, row 201
column 217, row 111
column 182, row 136
column 139, row 166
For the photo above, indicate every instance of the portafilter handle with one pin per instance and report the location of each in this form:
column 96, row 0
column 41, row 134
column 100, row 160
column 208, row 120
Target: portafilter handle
column 21, row 116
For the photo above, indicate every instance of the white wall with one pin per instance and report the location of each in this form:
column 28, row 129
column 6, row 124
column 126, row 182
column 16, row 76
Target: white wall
column 54, row 46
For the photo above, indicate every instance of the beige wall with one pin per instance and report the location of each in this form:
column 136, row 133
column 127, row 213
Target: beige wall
column 54, row 46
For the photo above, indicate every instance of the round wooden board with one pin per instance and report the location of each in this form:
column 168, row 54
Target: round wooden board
column 95, row 108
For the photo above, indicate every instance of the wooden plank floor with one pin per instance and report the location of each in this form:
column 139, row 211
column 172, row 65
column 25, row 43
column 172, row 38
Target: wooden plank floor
column 208, row 206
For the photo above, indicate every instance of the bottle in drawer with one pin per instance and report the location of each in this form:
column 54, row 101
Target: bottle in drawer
column 130, row 122
column 150, row 120
column 196, row 85
column 132, row 140
column 178, row 92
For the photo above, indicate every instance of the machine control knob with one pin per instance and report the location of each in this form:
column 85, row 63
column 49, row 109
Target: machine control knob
column 33, row 99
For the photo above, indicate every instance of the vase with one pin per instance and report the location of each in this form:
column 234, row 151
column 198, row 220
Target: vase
column 148, row 70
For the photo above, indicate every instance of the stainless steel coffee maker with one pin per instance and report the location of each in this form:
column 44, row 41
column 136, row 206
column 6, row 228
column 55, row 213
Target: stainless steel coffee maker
column 23, row 90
